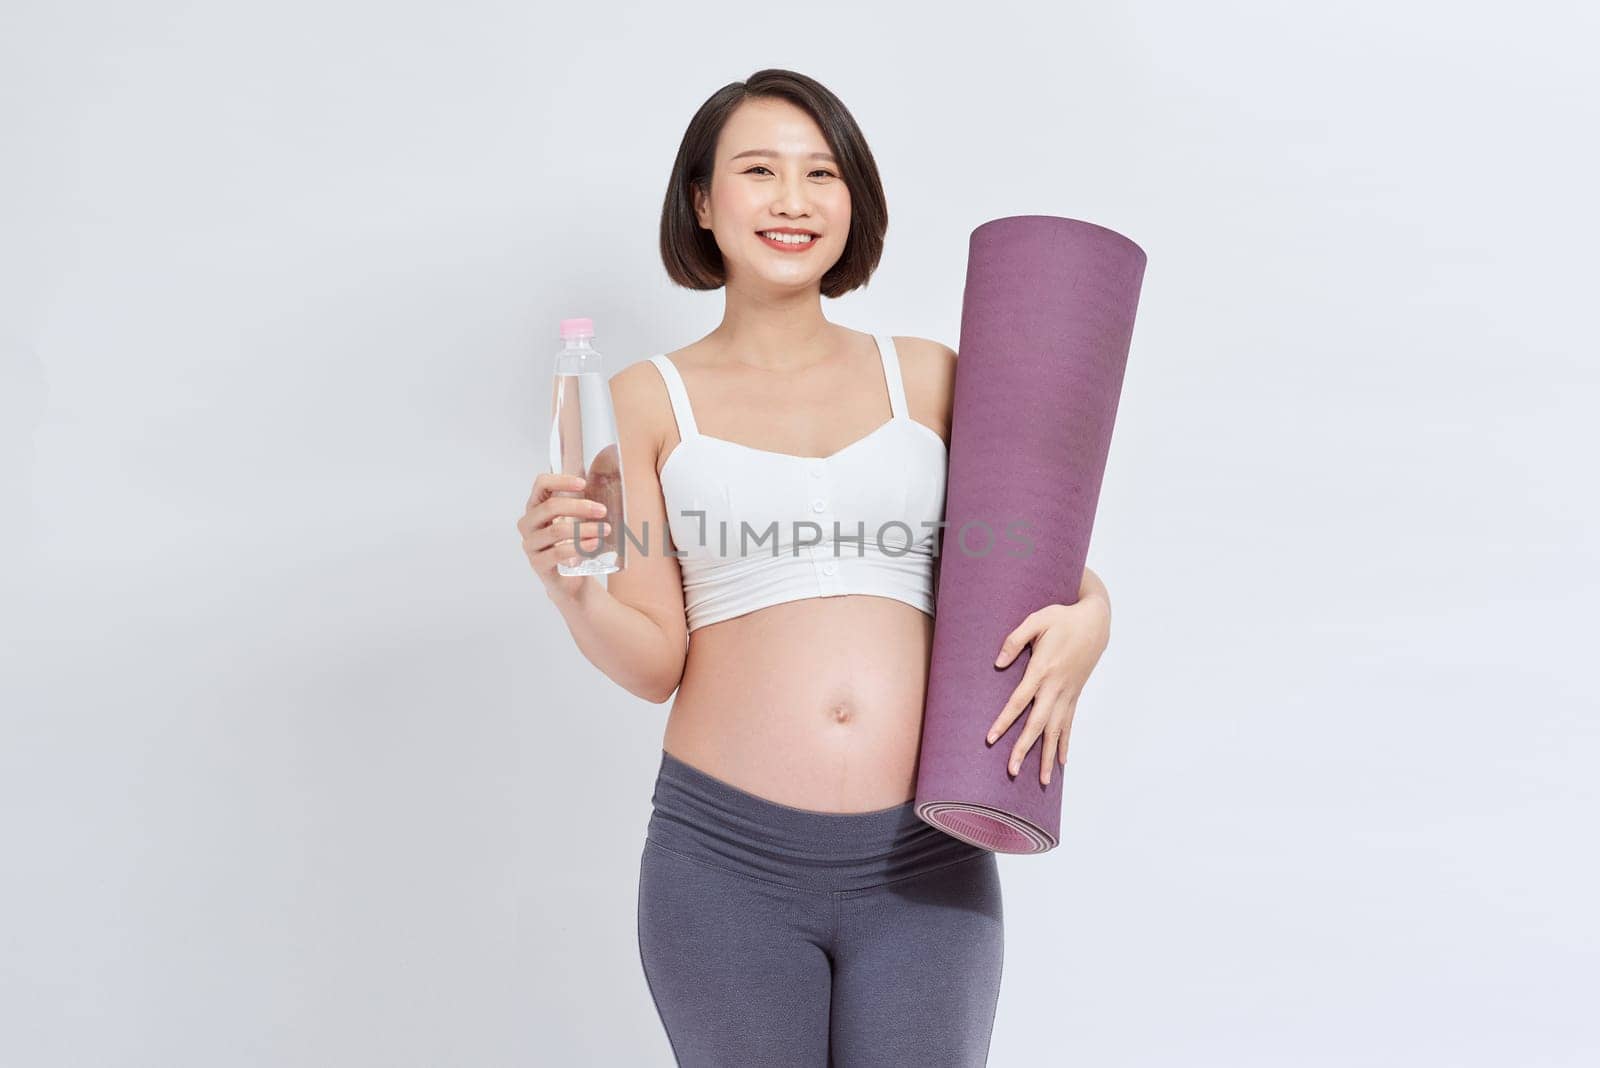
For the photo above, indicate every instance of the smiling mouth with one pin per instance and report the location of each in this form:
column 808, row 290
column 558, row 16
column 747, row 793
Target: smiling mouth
column 796, row 241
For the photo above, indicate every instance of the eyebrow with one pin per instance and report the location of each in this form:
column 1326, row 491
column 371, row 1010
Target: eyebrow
column 769, row 152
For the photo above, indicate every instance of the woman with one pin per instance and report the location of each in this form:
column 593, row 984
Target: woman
column 793, row 909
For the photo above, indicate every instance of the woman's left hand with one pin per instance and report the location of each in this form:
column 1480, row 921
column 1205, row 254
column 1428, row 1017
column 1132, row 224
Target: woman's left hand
column 1067, row 642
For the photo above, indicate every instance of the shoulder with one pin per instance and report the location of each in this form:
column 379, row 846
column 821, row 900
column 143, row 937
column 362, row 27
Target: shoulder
column 925, row 355
column 637, row 381
column 932, row 363
column 929, row 370
column 639, row 397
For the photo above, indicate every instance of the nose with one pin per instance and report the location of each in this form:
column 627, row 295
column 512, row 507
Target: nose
column 792, row 197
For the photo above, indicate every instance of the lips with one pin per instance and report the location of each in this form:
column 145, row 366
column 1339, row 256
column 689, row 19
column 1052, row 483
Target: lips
column 788, row 246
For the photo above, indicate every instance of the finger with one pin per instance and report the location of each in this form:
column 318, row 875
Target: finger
column 551, row 509
column 1026, row 631
column 1056, row 735
column 544, row 484
column 572, row 553
column 1020, row 750
column 1037, row 722
column 552, row 482
column 1017, row 702
column 543, row 505
column 1066, row 730
column 1047, row 752
column 591, row 541
column 567, row 535
column 574, row 507
column 555, row 532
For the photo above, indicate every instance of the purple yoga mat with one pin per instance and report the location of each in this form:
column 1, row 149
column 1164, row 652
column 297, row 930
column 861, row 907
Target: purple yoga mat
column 1045, row 326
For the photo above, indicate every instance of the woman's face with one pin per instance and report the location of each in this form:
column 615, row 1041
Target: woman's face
column 774, row 170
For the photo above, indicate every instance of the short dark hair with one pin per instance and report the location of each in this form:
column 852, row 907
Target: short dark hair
column 690, row 252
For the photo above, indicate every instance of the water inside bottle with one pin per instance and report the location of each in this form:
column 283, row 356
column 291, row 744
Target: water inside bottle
column 583, row 441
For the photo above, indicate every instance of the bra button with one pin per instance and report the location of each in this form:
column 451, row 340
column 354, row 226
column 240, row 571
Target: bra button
column 828, row 569
column 818, row 505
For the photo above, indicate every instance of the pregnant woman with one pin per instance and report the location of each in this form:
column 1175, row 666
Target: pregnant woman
column 793, row 909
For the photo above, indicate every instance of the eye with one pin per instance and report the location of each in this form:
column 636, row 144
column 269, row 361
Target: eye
column 819, row 170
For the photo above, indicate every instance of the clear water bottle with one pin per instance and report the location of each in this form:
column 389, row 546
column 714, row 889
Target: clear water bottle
column 583, row 442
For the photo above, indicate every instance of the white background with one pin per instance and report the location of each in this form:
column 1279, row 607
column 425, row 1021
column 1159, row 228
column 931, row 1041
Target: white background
column 299, row 766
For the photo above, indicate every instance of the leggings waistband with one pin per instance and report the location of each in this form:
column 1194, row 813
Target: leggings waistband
column 702, row 817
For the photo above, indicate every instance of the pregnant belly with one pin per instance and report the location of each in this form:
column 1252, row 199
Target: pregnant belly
column 816, row 704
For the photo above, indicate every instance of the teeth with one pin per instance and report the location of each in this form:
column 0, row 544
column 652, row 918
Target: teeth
column 788, row 239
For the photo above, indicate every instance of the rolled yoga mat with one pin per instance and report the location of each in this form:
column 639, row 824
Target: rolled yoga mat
column 1046, row 322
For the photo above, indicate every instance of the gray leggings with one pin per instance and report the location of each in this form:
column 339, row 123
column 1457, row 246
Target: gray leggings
column 779, row 936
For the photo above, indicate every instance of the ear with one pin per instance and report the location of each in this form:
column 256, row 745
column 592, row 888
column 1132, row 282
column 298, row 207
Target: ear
column 702, row 208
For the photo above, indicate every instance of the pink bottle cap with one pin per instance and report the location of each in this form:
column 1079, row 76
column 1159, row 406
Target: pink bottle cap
column 571, row 328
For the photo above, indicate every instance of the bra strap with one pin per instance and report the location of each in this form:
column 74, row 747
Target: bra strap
column 891, row 374
column 679, row 396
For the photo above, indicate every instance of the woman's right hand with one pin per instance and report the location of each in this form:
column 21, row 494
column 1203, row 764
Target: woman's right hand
column 547, row 527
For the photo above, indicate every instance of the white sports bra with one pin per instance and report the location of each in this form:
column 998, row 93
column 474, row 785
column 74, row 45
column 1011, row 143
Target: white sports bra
column 756, row 528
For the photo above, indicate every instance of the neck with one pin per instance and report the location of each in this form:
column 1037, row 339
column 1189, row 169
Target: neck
column 776, row 333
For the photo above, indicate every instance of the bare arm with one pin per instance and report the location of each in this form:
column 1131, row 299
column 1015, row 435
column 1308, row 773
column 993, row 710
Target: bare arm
column 1093, row 586
column 634, row 629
